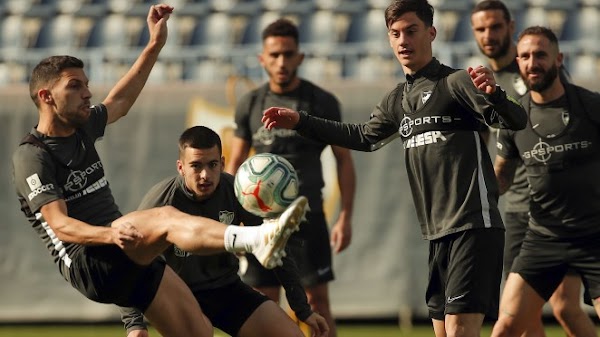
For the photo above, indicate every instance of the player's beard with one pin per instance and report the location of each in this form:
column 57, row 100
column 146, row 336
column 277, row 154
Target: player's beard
column 289, row 81
column 543, row 83
column 503, row 49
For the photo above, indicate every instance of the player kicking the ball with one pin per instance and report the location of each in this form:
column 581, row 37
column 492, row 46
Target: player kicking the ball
column 107, row 256
column 202, row 188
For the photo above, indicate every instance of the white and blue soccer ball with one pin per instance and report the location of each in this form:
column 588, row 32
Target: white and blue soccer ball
column 266, row 184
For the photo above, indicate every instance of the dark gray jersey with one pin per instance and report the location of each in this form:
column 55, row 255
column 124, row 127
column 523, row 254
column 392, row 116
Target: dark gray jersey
column 560, row 150
column 198, row 271
column 437, row 115
column 303, row 153
column 517, row 196
column 68, row 168
column 212, row 271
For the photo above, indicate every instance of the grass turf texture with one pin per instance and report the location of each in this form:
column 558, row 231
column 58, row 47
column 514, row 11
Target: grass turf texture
column 344, row 330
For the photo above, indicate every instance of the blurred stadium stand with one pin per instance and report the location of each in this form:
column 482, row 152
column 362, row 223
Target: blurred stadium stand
column 212, row 39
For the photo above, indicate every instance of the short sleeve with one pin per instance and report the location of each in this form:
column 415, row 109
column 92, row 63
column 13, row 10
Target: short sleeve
column 34, row 175
column 505, row 144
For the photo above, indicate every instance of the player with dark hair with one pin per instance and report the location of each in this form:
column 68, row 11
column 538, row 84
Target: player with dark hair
column 202, row 188
column 559, row 149
column 437, row 113
column 493, row 29
column 311, row 247
column 63, row 191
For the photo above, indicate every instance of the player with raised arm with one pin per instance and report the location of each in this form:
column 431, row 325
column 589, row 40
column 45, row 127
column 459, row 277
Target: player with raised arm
column 63, row 191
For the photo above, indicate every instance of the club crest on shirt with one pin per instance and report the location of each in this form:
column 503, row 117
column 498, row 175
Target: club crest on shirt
column 565, row 117
column 519, row 85
column 226, row 217
column 425, row 95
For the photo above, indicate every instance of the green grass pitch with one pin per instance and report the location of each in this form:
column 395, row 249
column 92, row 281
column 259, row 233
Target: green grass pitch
column 344, row 330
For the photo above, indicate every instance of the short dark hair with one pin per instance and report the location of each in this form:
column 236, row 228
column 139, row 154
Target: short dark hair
column 397, row 8
column 539, row 30
column 281, row 27
column 489, row 5
column 199, row 137
column 49, row 70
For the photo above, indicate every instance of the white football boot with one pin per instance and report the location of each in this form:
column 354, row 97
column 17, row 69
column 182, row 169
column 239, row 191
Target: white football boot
column 276, row 233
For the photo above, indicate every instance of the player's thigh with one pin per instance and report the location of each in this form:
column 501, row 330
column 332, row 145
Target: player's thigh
column 568, row 292
column 520, row 303
column 174, row 311
column 542, row 263
column 269, row 320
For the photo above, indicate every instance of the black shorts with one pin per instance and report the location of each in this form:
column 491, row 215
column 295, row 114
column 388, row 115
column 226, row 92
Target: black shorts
column 309, row 248
column 465, row 270
column 230, row 306
column 105, row 274
column 544, row 261
column 516, row 224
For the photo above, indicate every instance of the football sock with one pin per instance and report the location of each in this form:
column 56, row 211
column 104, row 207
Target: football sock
column 241, row 239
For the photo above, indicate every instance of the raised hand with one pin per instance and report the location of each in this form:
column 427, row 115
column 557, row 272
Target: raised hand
column 280, row 117
column 157, row 22
column 483, row 79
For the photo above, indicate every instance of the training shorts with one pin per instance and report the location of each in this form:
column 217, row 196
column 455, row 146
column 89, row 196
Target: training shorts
column 516, row 224
column 465, row 270
column 229, row 307
column 310, row 249
column 544, row 261
column 105, row 274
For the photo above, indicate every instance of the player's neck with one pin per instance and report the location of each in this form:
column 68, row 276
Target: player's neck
column 504, row 60
column 52, row 127
column 555, row 91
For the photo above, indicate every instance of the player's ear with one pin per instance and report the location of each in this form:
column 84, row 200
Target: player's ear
column 44, row 95
column 222, row 164
column 432, row 33
column 180, row 167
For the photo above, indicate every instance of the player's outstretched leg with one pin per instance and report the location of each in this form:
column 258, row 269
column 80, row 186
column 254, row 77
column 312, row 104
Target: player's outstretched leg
column 276, row 232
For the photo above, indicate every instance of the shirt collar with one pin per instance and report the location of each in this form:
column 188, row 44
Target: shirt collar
column 427, row 71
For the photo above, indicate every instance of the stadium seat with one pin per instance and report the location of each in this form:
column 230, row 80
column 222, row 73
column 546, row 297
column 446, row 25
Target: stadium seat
column 372, row 67
column 11, row 32
column 58, row 32
column 322, row 27
column 539, row 16
column 585, row 66
column 19, row 6
column 216, row 33
column 274, row 5
column 116, row 31
column 252, row 33
column 368, row 30
column 207, row 70
column 320, row 69
column 451, row 25
column 583, row 25
column 457, row 5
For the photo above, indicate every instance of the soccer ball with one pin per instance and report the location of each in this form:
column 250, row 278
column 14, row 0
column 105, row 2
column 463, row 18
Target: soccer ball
column 266, row 184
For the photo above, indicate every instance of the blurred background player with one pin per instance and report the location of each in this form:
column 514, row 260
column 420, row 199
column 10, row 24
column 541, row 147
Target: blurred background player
column 311, row 247
column 202, row 188
column 494, row 28
column 559, row 148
